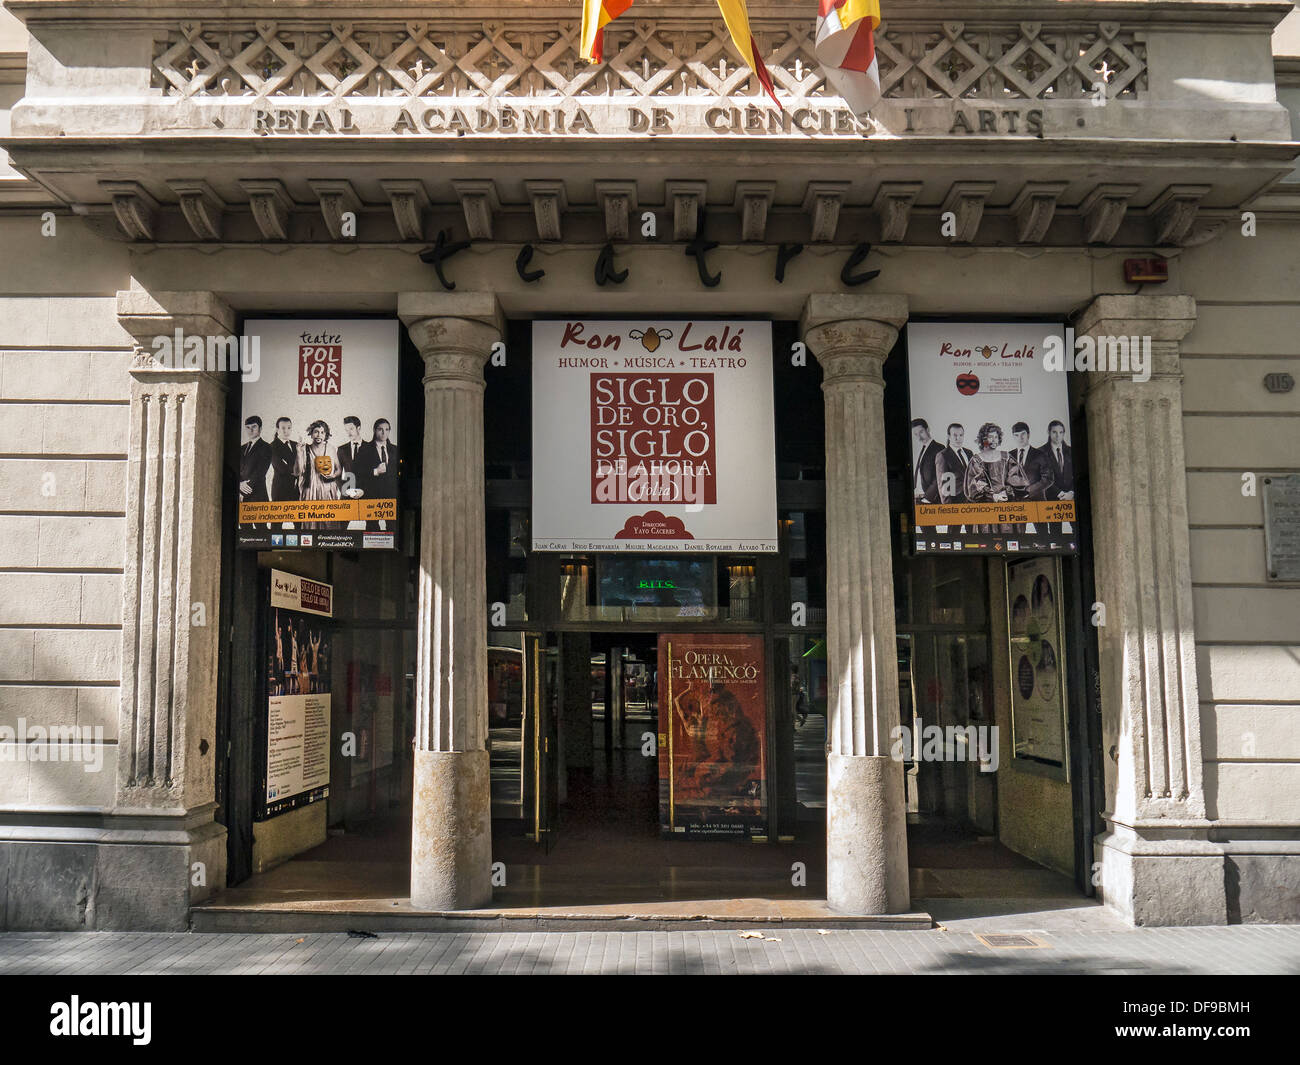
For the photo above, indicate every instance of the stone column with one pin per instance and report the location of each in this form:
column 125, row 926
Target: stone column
column 866, row 824
column 1157, row 863
column 167, row 724
column 451, row 833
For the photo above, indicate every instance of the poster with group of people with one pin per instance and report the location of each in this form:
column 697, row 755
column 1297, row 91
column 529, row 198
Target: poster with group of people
column 319, row 458
column 992, row 464
column 712, row 726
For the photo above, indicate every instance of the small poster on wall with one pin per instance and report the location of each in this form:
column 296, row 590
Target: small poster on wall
column 712, row 736
column 319, row 454
column 992, row 468
column 298, row 693
column 1037, row 646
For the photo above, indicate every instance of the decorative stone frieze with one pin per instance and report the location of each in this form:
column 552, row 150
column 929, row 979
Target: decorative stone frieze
column 664, row 58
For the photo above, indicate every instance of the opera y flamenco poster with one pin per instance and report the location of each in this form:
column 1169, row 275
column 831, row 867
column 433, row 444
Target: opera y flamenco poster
column 712, row 736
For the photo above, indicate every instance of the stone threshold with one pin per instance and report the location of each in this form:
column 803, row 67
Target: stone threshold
column 396, row 915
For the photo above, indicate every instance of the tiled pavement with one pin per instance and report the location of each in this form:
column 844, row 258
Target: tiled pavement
column 1242, row 949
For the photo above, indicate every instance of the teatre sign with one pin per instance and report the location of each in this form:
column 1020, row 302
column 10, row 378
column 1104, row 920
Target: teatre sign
column 676, row 452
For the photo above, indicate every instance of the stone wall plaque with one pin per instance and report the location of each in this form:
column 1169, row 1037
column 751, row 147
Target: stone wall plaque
column 1282, row 527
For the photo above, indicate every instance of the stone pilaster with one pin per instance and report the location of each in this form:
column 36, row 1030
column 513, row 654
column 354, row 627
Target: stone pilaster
column 866, row 826
column 170, row 624
column 451, row 836
column 1157, row 864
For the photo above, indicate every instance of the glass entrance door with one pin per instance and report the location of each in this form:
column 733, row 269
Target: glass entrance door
column 523, row 740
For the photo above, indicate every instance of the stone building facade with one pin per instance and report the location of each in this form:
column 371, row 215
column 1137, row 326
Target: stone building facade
column 184, row 167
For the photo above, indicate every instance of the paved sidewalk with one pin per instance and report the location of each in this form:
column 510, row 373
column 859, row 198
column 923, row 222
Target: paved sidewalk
column 956, row 949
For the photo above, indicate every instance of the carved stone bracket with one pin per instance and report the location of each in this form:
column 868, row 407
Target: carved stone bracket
column 753, row 201
column 410, row 201
column 271, row 207
column 203, row 208
column 1103, row 210
column 550, row 200
column 1034, row 208
column 966, row 200
column 336, row 199
column 1174, row 211
column 617, row 200
column 687, row 199
column 822, row 202
column 135, row 208
column 479, row 201
column 893, row 205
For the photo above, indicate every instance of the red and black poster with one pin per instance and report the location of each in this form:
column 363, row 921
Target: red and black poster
column 712, row 736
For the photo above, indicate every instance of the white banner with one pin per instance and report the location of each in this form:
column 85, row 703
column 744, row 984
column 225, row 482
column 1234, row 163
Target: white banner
column 653, row 436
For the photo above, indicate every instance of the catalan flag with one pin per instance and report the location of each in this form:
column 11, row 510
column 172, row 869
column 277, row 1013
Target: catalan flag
column 736, row 16
column 846, row 49
column 596, row 15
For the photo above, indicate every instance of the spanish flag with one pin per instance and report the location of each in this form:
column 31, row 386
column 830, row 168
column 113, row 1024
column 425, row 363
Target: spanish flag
column 596, row 15
column 735, row 14
column 846, row 49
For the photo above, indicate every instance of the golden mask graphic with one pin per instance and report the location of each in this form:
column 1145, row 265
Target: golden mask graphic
column 324, row 465
column 987, row 352
column 651, row 338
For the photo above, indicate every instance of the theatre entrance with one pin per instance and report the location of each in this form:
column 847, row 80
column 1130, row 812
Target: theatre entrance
column 663, row 737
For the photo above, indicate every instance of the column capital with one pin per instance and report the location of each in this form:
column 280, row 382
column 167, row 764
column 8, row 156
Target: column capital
column 149, row 316
column 1117, row 322
column 852, row 335
column 1158, row 317
column 453, row 331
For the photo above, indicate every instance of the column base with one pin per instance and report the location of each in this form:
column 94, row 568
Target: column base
column 866, row 836
column 451, row 831
column 1161, row 881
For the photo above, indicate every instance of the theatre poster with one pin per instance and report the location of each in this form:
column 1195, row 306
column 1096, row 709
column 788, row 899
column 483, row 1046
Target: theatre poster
column 320, row 444
column 653, row 435
column 1037, row 657
column 298, row 667
column 712, row 736
column 992, row 459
